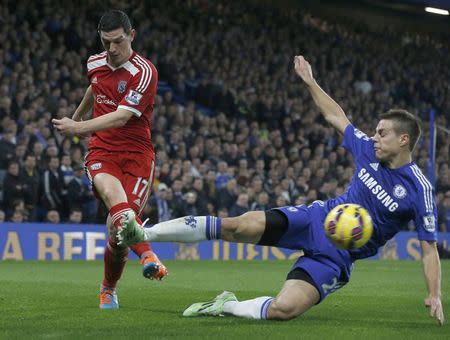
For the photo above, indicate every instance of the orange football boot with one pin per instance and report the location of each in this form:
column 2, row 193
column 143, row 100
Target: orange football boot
column 152, row 268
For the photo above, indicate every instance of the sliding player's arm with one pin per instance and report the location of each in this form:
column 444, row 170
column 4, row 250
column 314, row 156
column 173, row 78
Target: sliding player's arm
column 85, row 106
column 115, row 119
column 432, row 273
column 331, row 110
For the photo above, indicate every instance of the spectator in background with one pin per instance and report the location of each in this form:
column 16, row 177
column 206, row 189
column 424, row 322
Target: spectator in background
column 90, row 206
column 223, row 213
column 77, row 154
column 66, row 169
column 53, row 216
column 444, row 213
column 53, row 191
column 186, row 180
column 257, row 185
column 2, row 216
column 21, row 151
column 38, row 152
column 280, row 201
column 301, row 186
column 227, row 195
column 189, row 206
column 161, row 203
column 177, row 201
column 17, row 217
column 7, row 148
column 51, row 151
column 31, row 185
column 261, row 203
column 202, row 197
column 75, row 216
column 300, row 200
column 65, row 146
column 240, row 206
column 260, row 170
column 285, row 190
column 210, row 186
column 13, row 187
column 78, row 193
column 19, row 206
column 311, row 196
column 222, row 175
column 150, row 211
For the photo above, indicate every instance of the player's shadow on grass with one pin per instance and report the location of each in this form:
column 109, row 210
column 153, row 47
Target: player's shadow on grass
column 314, row 320
column 372, row 323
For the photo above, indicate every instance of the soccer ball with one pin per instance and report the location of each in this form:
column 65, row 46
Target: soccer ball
column 348, row 226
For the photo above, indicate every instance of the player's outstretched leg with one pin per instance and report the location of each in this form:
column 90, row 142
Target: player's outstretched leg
column 185, row 229
column 213, row 307
column 295, row 298
column 152, row 268
column 247, row 228
column 227, row 304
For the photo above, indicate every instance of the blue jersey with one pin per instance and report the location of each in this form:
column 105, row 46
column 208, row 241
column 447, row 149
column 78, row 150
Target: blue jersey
column 393, row 197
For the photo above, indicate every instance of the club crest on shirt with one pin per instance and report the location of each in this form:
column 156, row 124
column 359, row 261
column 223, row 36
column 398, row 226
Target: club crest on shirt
column 96, row 166
column 400, row 191
column 133, row 97
column 121, row 86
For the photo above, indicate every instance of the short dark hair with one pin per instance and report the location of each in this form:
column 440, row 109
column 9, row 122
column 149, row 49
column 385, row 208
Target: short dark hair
column 404, row 122
column 13, row 161
column 113, row 20
column 29, row 154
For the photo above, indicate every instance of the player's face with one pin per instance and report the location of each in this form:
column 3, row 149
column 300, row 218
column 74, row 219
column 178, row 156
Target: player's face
column 386, row 142
column 118, row 45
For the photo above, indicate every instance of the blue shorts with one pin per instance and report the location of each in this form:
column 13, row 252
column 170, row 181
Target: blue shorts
column 328, row 266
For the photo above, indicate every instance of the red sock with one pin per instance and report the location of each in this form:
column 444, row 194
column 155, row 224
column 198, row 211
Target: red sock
column 142, row 248
column 115, row 259
column 116, row 212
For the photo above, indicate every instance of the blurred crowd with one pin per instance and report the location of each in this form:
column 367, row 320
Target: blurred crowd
column 234, row 128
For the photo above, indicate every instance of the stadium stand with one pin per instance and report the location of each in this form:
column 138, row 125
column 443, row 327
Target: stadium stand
column 231, row 120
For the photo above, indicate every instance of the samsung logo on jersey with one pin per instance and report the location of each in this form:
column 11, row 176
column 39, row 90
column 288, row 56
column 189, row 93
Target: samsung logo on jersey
column 377, row 190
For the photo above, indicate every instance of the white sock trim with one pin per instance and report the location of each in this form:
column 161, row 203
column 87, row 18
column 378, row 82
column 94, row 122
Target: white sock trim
column 251, row 309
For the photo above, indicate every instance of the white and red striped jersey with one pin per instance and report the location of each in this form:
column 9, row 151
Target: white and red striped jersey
column 131, row 86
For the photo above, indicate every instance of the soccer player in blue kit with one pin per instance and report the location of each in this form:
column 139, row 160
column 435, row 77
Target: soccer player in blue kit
column 386, row 182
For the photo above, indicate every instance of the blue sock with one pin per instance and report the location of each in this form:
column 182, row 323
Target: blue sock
column 213, row 227
column 265, row 308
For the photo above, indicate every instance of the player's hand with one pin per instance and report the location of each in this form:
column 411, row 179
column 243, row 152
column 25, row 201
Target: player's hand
column 434, row 304
column 67, row 127
column 303, row 69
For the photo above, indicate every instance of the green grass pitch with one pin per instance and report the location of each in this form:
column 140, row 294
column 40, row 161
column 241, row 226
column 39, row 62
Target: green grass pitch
column 60, row 300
